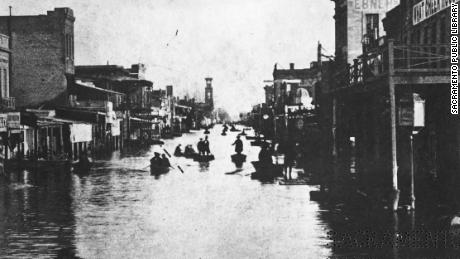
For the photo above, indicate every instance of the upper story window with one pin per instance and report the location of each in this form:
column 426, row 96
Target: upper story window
column 69, row 48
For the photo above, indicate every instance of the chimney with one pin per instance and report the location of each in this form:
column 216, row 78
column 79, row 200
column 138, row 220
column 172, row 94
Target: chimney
column 291, row 66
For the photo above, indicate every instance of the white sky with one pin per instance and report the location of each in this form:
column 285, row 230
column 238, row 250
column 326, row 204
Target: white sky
column 236, row 42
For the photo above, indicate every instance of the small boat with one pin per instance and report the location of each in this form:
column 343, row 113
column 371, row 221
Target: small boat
column 238, row 158
column 157, row 170
column 251, row 137
column 234, row 130
column 258, row 142
column 268, row 170
column 223, row 134
column 156, row 142
column 206, row 131
column 205, row 158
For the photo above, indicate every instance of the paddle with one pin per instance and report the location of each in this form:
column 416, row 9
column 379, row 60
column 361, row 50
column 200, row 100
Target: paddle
column 178, row 166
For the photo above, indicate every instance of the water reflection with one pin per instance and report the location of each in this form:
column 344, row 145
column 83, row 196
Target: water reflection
column 120, row 210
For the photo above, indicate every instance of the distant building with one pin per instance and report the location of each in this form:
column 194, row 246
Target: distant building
column 209, row 98
column 42, row 56
column 292, row 82
column 5, row 101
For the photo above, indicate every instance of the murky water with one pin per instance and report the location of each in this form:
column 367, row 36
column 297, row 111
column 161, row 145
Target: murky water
column 212, row 210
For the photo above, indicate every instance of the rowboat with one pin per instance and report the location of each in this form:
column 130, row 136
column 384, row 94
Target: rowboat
column 238, row 158
column 267, row 170
column 205, row 158
column 157, row 170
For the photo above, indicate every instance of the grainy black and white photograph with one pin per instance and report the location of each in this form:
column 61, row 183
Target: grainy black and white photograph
column 229, row 129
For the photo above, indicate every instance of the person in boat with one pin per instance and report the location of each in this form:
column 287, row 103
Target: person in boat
column 189, row 151
column 207, row 151
column 238, row 145
column 225, row 127
column 200, row 147
column 233, row 128
column 178, row 151
column 165, row 161
column 156, row 160
column 83, row 161
column 265, row 156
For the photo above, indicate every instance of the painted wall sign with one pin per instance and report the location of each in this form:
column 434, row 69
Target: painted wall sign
column 427, row 8
column 372, row 5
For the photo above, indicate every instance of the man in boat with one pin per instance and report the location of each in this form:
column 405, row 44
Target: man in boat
column 165, row 161
column 156, row 160
column 207, row 151
column 238, row 145
column 178, row 151
column 200, row 147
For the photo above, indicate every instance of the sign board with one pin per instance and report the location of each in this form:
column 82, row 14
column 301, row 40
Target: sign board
column 411, row 111
column 80, row 132
column 116, row 128
column 373, row 5
column 3, row 122
column 427, row 8
column 14, row 120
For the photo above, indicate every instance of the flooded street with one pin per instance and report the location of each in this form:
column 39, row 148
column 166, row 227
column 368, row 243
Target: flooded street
column 212, row 210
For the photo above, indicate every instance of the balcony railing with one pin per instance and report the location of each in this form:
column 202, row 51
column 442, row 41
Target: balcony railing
column 425, row 59
column 8, row 103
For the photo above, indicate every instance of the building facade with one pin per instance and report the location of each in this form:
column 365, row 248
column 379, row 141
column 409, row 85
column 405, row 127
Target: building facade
column 42, row 56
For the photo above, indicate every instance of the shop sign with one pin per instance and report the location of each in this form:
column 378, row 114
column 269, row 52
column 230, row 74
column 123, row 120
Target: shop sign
column 80, row 132
column 427, row 8
column 3, row 122
column 411, row 111
column 14, row 120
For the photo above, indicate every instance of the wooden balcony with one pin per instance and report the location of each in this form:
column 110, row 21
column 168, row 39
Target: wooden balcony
column 407, row 64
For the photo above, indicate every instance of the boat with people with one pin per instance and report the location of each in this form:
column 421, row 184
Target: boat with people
column 158, row 169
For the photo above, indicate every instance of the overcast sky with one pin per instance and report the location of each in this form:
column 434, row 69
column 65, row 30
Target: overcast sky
column 236, row 42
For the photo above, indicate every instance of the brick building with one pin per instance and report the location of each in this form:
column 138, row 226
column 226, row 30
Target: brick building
column 356, row 20
column 391, row 107
column 42, row 56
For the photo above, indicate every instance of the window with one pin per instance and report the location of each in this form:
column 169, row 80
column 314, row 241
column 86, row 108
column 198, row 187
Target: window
column 443, row 30
column 372, row 26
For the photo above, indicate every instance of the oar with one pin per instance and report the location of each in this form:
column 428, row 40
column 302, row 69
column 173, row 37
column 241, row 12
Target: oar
column 178, row 166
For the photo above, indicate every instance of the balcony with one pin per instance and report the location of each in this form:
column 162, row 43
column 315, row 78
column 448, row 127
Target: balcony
column 406, row 63
column 8, row 103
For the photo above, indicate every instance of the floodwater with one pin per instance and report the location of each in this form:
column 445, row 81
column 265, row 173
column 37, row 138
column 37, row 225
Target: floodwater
column 212, row 210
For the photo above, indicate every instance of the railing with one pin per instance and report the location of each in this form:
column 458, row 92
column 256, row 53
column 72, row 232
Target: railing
column 423, row 58
column 8, row 102
column 433, row 59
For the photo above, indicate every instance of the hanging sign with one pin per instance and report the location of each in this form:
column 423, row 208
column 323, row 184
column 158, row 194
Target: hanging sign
column 427, row 8
column 14, row 120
